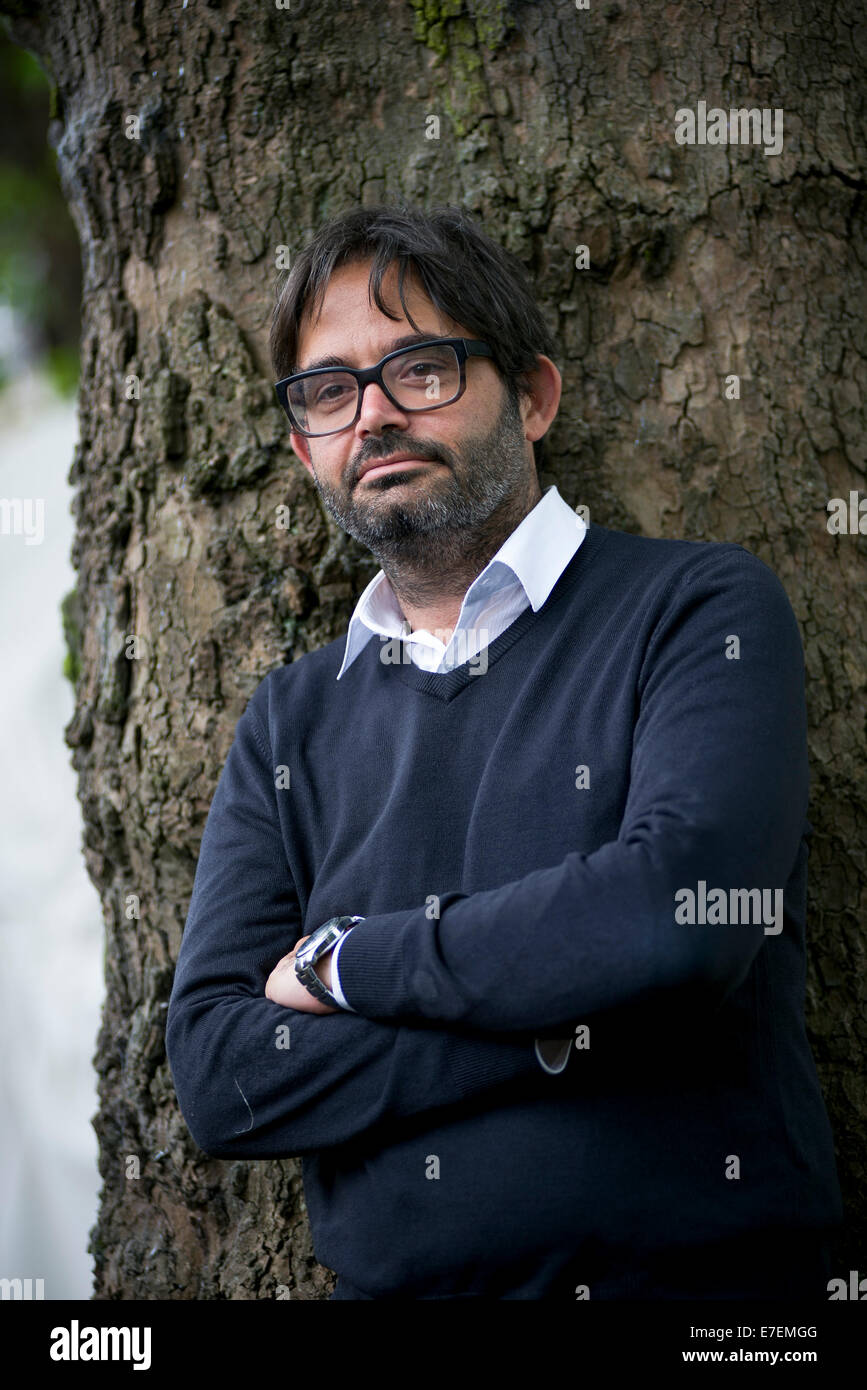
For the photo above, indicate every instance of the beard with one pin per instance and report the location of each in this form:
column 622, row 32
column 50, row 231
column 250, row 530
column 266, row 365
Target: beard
column 446, row 519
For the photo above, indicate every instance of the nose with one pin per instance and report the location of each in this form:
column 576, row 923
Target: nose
column 377, row 411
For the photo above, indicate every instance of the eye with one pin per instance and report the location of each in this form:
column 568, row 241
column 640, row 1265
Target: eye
column 425, row 366
column 324, row 398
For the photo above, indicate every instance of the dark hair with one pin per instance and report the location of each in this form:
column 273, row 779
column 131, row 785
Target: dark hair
column 465, row 274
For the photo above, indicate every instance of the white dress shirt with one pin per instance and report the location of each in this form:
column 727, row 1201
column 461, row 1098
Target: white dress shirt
column 523, row 571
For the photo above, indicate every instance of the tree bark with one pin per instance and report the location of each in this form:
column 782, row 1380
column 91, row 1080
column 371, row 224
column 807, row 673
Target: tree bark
column 251, row 125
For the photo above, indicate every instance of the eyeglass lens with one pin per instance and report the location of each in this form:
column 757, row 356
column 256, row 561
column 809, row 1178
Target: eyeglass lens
column 418, row 378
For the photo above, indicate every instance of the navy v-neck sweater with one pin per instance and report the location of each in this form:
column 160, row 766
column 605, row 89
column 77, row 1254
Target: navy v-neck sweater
column 519, row 839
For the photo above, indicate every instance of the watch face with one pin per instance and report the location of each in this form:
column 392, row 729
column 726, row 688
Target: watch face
column 315, row 942
column 308, row 949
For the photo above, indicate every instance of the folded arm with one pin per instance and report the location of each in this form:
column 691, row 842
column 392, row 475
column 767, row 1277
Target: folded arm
column 254, row 1079
column 718, row 792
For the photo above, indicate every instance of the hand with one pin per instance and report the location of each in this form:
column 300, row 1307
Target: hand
column 284, row 987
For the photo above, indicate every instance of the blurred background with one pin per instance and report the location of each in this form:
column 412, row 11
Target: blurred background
column 51, row 980
column 196, row 155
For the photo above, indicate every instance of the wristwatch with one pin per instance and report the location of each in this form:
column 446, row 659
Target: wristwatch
column 317, row 945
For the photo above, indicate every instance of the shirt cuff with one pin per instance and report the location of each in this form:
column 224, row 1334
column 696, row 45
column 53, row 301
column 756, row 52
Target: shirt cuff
column 335, row 977
column 553, row 1053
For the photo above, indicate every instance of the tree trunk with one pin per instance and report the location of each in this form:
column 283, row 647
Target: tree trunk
column 194, row 142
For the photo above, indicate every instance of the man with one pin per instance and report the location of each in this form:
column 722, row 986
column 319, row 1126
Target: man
column 498, row 920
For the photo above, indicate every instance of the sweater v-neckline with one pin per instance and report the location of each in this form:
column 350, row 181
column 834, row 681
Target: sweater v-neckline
column 445, row 685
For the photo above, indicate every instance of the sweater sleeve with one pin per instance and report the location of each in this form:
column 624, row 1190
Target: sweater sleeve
column 255, row 1079
column 336, row 989
column 718, row 792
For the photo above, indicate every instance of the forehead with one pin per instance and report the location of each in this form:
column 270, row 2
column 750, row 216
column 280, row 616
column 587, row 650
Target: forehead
column 352, row 328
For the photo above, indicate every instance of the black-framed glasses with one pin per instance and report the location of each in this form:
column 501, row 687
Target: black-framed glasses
column 425, row 376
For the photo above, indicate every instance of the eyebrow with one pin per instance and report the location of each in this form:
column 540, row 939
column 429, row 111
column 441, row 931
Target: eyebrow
column 406, row 341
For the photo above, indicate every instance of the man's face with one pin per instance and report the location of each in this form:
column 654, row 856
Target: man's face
column 466, row 458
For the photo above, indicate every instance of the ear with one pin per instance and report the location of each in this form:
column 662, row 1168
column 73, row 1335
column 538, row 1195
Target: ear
column 301, row 449
column 540, row 406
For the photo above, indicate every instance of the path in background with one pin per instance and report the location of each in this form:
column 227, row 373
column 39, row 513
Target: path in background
column 51, row 964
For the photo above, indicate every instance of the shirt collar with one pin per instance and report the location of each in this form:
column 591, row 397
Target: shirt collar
column 534, row 556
